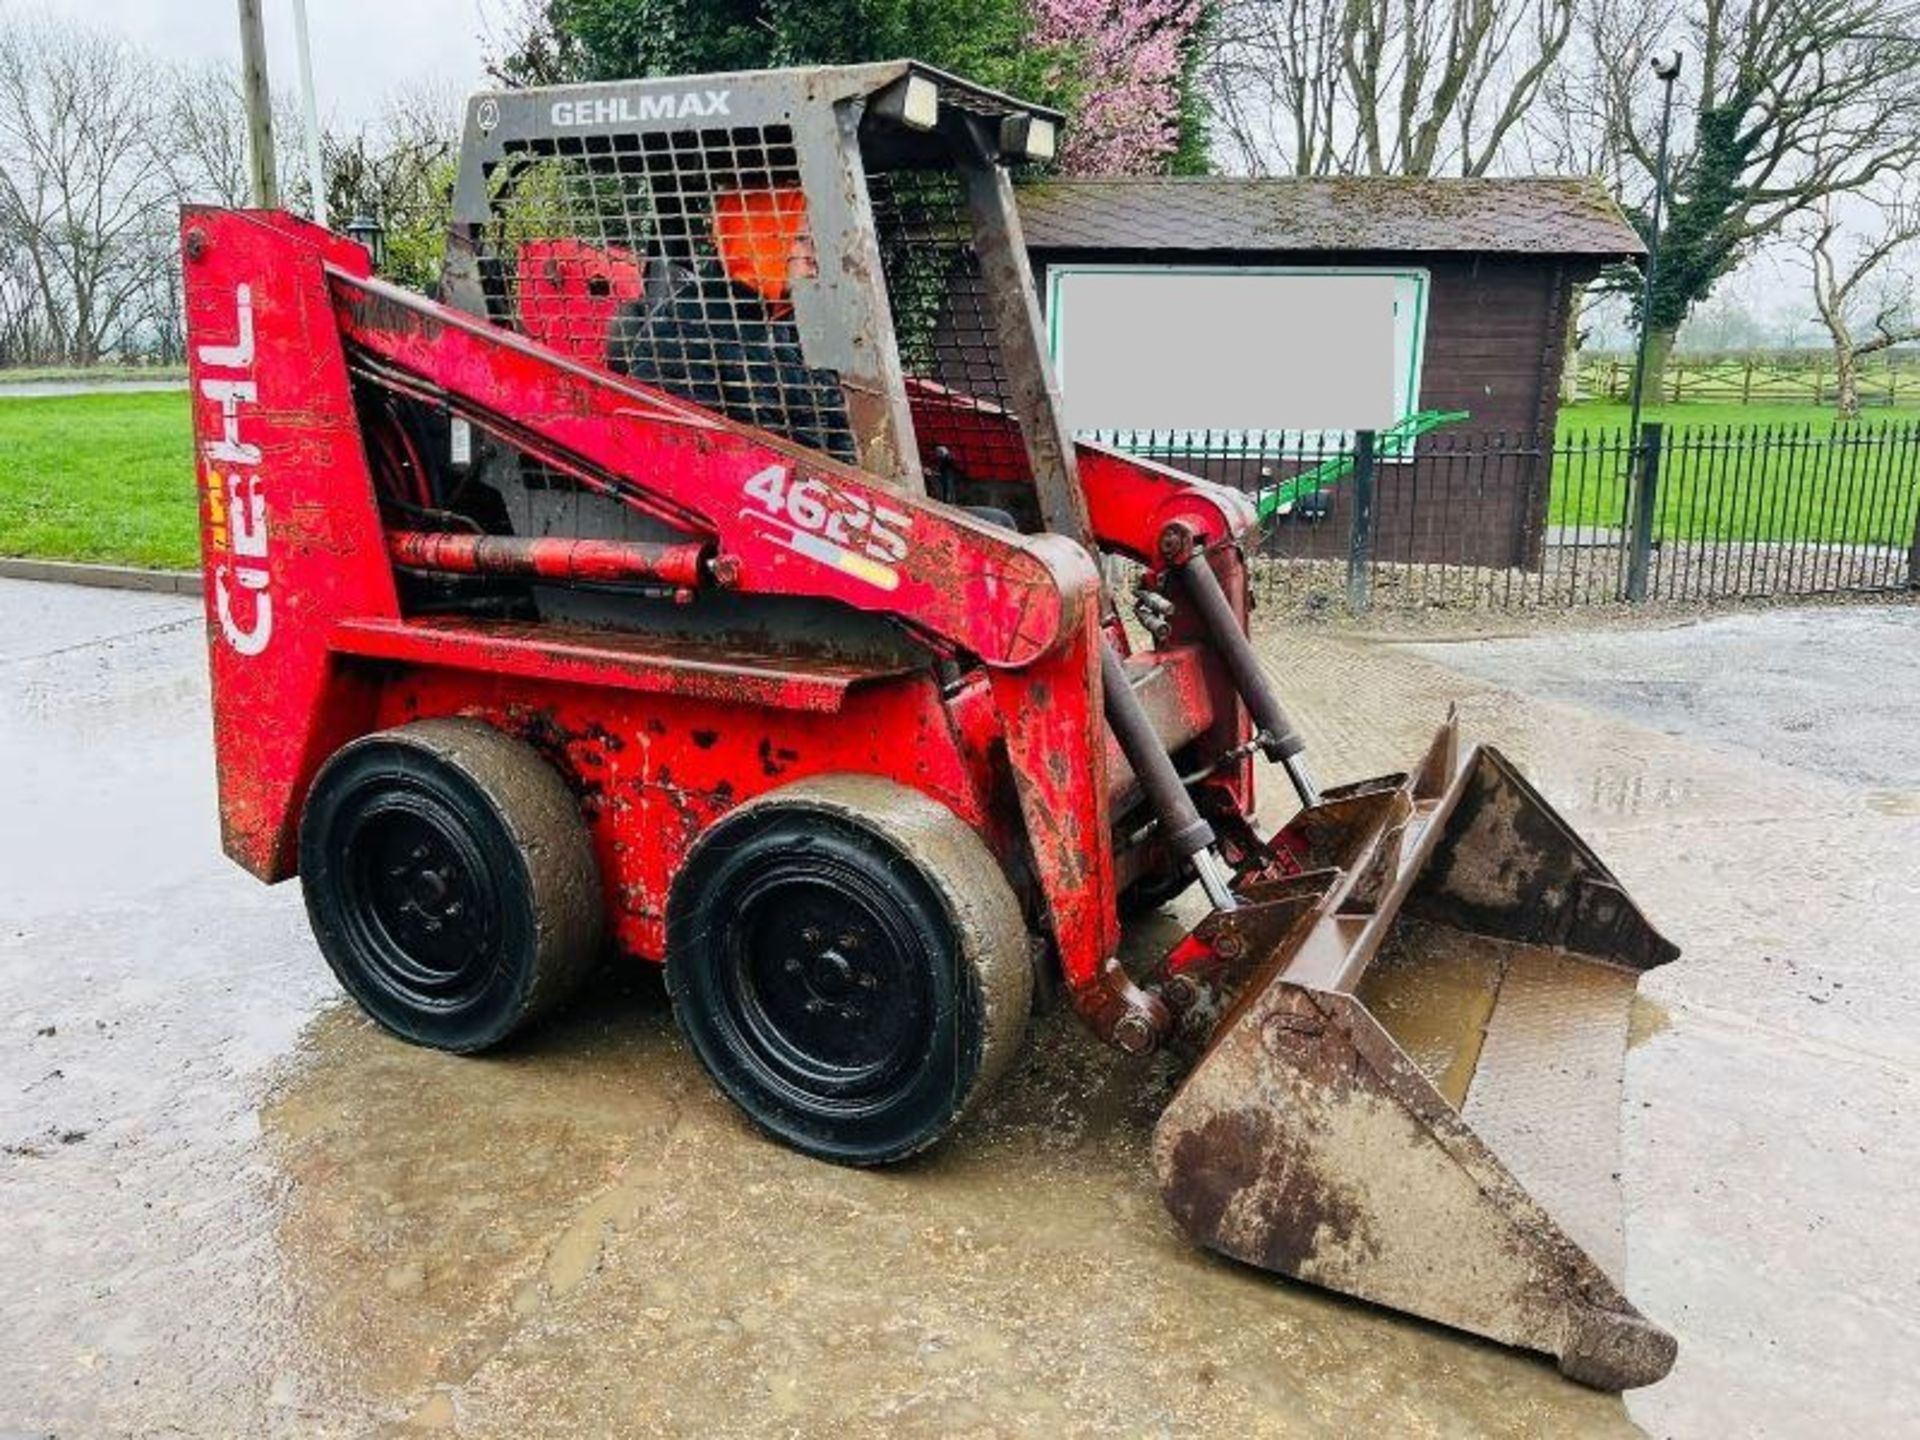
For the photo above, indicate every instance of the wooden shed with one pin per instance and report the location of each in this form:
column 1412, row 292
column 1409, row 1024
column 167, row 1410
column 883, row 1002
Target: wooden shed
column 1487, row 270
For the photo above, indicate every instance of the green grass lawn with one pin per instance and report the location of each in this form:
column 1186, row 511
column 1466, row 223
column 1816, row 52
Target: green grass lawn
column 1792, row 472
column 1599, row 416
column 105, row 478
column 109, row 477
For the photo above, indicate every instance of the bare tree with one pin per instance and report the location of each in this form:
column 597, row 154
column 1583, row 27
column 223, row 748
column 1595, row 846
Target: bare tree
column 24, row 338
column 205, row 145
column 80, row 179
column 1272, row 75
column 1378, row 87
column 1863, row 290
column 1787, row 103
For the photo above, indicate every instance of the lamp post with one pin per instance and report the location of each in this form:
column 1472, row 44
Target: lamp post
column 1667, row 67
column 1637, row 522
column 372, row 236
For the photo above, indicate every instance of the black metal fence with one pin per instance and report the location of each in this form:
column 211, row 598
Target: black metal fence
column 1465, row 520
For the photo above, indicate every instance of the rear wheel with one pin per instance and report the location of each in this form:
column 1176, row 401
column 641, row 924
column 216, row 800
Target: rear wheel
column 849, row 963
column 450, row 881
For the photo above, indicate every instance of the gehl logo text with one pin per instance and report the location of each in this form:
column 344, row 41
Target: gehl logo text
column 236, row 491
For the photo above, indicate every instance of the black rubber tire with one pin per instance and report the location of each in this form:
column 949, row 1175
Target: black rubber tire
column 848, row 961
column 450, row 882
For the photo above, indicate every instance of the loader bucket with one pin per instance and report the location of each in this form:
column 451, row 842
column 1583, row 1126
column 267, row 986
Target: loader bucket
column 1412, row 1090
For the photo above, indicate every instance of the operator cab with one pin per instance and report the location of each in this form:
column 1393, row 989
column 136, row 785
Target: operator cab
column 820, row 271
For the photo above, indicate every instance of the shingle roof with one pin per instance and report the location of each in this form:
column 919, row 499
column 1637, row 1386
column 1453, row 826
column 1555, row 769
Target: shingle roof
column 1536, row 216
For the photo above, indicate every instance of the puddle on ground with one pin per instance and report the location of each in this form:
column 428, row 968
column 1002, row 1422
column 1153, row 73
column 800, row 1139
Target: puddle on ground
column 1646, row 1020
column 1893, row 802
column 583, row 1236
column 1432, row 989
column 579, row 1236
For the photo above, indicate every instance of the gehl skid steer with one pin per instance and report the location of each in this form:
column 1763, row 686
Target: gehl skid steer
column 709, row 575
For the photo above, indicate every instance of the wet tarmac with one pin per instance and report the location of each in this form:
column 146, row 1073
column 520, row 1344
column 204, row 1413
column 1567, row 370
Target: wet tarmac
column 39, row 389
column 229, row 1206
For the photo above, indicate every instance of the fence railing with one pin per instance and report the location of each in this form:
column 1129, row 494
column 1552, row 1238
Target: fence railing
column 1889, row 379
column 1463, row 520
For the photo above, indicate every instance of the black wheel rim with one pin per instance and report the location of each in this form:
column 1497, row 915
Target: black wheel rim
column 421, row 900
column 828, row 984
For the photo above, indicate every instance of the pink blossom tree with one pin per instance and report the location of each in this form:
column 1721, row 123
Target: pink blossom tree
column 1125, row 57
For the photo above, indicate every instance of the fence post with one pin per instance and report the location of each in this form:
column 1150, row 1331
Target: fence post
column 1360, row 537
column 1646, row 492
column 1913, row 552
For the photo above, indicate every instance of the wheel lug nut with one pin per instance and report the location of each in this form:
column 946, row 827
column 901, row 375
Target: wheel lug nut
column 811, row 935
column 792, row 966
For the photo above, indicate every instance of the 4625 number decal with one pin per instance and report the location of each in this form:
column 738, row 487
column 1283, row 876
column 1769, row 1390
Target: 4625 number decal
column 836, row 527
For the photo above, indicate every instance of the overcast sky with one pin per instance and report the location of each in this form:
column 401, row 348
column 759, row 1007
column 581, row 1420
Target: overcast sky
column 362, row 49
column 365, row 49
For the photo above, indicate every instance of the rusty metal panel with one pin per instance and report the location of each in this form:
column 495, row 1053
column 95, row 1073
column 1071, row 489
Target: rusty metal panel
column 654, row 663
column 1307, row 1143
column 1411, row 1079
column 1547, row 1091
column 1050, row 711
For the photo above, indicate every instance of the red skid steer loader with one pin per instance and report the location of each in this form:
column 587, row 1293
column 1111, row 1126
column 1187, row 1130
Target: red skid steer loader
column 708, row 575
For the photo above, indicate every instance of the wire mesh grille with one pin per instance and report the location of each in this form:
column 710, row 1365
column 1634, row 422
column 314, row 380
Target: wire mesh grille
column 956, row 381
column 668, row 256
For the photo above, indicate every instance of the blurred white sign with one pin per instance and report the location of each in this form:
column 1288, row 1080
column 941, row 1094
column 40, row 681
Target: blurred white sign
column 1255, row 350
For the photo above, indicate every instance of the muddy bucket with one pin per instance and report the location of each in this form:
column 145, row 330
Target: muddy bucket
column 1410, row 1082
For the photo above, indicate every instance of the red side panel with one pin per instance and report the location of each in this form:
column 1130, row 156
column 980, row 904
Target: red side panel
column 1051, row 710
column 289, row 531
column 1129, row 500
column 570, row 291
column 655, row 769
column 982, row 438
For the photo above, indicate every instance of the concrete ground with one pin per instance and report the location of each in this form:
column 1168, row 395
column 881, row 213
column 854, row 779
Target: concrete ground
column 36, row 389
column 231, row 1207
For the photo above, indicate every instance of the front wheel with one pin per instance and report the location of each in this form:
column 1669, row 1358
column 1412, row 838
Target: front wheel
column 849, row 963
